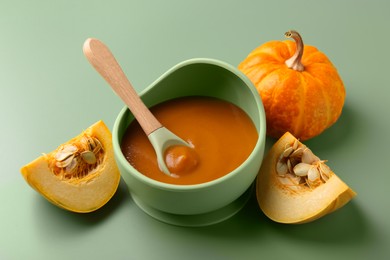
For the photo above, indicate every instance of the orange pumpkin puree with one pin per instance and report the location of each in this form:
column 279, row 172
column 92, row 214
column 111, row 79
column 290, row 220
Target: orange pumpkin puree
column 222, row 136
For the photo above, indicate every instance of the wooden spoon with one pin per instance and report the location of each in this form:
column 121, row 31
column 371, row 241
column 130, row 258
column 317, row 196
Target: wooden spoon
column 105, row 63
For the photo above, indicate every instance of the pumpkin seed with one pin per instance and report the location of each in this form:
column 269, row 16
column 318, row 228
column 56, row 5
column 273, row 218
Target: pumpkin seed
column 325, row 171
column 289, row 166
column 98, row 145
column 91, row 143
column 287, row 151
column 297, row 153
column 295, row 144
column 89, row 157
column 71, row 166
column 313, row 174
column 281, row 168
column 302, row 169
column 65, row 152
column 308, row 156
column 65, row 162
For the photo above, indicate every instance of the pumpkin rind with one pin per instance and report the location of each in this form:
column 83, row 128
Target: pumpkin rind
column 284, row 205
column 303, row 103
column 84, row 194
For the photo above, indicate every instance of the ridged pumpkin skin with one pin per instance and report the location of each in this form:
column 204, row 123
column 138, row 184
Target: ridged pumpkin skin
column 304, row 103
column 84, row 194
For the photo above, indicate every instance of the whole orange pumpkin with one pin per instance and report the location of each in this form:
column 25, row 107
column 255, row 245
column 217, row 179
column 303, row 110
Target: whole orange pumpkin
column 301, row 89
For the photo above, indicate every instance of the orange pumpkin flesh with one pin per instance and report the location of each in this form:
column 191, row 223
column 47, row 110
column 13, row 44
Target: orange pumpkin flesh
column 285, row 202
column 301, row 90
column 89, row 185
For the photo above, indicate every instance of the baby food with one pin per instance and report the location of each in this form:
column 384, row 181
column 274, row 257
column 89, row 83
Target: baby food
column 221, row 135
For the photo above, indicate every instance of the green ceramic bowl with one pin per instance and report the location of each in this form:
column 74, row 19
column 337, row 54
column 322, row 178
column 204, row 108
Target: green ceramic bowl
column 210, row 202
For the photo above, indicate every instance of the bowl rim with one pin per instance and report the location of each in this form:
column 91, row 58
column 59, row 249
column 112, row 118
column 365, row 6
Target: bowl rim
column 260, row 143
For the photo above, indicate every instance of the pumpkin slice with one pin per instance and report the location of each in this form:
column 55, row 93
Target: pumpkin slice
column 295, row 186
column 81, row 175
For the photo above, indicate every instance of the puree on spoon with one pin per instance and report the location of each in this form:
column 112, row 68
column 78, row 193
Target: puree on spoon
column 221, row 134
column 181, row 159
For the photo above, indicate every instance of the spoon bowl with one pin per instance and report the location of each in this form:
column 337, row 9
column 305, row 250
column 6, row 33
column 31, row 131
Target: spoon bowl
column 161, row 139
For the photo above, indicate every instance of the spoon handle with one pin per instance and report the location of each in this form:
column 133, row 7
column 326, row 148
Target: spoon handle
column 105, row 63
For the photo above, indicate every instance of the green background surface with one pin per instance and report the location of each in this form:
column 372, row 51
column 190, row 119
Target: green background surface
column 49, row 93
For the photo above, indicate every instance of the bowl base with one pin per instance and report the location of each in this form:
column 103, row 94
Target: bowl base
column 197, row 220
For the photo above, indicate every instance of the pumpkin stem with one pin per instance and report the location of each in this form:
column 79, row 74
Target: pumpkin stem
column 295, row 61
